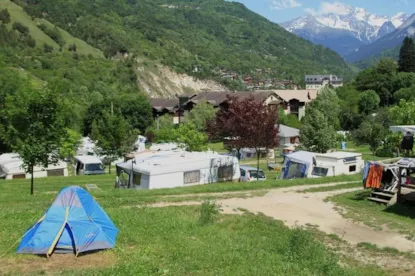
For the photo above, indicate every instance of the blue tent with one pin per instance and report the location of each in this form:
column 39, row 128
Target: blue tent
column 74, row 223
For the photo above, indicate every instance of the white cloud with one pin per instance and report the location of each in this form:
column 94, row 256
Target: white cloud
column 330, row 7
column 284, row 4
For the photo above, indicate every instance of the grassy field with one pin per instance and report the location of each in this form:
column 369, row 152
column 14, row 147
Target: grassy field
column 351, row 185
column 398, row 217
column 168, row 241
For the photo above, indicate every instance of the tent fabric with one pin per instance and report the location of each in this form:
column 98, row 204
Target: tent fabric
column 74, row 223
column 302, row 160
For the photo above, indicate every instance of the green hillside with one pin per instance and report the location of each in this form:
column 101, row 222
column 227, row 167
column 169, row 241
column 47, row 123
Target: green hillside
column 19, row 15
column 197, row 37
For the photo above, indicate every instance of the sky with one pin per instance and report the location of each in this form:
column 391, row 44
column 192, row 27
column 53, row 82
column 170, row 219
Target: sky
column 284, row 10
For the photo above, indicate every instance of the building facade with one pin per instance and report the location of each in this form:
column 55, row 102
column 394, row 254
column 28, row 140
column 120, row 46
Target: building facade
column 320, row 81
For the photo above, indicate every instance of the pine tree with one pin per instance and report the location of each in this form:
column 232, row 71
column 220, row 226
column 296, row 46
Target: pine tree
column 407, row 56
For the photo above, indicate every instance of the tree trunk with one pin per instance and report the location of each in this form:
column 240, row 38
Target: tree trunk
column 257, row 164
column 31, row 180
column 109, row 168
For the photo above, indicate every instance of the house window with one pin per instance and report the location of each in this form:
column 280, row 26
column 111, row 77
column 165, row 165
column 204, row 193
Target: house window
column 58, row 172
column 352, row 168
column 192, row 177
column 225, row 173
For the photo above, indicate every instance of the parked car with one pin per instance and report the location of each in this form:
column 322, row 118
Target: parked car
column 249, row 174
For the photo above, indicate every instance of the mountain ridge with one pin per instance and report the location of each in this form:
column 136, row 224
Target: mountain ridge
column 354, row 26
column 386, row 46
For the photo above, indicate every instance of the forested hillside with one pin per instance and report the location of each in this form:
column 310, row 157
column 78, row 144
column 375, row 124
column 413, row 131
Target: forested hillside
column 195, row 37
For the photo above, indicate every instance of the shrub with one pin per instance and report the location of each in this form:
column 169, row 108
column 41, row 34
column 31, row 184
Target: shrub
column 208, row 212
column 20, row 28
column 47, row 48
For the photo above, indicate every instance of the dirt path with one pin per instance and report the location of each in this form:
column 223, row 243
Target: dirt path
column 297, row 209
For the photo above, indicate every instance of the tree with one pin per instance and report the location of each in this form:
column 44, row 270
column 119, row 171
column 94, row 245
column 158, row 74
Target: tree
column 21, row 28
column 316, row 133
column 368, row 102
column 406, row 60
column 407, row 94
column 349, row 116
column 115, row 137
column 370, row 132
column 380, row 79
column 70, row 144
column 403, row 113
column 200, row 115
column 36, row 127
column 288, row 119
column 328, row 104
column 5, row 16
column 191, row 137
column 248, row 122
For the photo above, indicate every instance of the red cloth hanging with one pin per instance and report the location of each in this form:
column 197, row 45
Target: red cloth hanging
column 374, row 178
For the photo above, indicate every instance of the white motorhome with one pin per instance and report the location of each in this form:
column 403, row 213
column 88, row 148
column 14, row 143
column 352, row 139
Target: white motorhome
column 309, row 164
column 11, row 167
column 158, row 170
column 88, row 165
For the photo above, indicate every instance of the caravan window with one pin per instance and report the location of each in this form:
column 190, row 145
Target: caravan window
column 225, row 172
column 192, row 177
column 352, row 168
column 57, row 172
column 93, row 167
column 318, row 171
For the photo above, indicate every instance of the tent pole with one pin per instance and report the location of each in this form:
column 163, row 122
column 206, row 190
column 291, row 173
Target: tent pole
column 399, row 185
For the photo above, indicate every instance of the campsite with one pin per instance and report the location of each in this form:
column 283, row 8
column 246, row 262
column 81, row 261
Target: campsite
column 161, row 232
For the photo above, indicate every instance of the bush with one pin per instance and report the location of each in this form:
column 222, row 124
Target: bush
column 47, row 48
column 5, row 16
column 208, row 212
column 20, row 28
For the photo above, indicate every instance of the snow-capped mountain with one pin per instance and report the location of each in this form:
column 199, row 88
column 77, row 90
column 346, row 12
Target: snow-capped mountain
column 391, row 41
column 345, row 32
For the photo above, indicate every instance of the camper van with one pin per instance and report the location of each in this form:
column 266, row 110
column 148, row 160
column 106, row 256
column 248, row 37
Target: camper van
column 11, row 167
column 88, row 165
column 305, row 164
column 171, row 169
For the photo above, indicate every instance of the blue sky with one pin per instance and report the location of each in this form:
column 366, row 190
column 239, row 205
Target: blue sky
column 284, row 10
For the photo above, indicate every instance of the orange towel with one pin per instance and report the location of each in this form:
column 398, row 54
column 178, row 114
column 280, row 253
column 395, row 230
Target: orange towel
column 374, row 177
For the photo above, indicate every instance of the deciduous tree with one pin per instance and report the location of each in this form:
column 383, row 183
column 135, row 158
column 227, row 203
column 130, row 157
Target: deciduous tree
column 249, row 124
column 370, row 132
column 403, row 114
column 316, row 133
column 368, row 102
column 36, row 127
column 115, row 137
column 200, row 115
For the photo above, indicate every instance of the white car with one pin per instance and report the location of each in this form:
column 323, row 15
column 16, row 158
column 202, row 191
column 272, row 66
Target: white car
column 249, row 174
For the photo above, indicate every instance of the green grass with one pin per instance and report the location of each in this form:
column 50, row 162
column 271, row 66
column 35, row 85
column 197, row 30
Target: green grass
column 400, row 218
column 218, row 147
column 17, row 14
column 172, row 240
column 356, row 184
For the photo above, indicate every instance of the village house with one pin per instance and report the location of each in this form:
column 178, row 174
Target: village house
column 166, row 106
column 291, row 101
column 320, row 81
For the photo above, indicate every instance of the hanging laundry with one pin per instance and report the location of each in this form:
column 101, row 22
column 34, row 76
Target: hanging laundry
column 374, row 178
